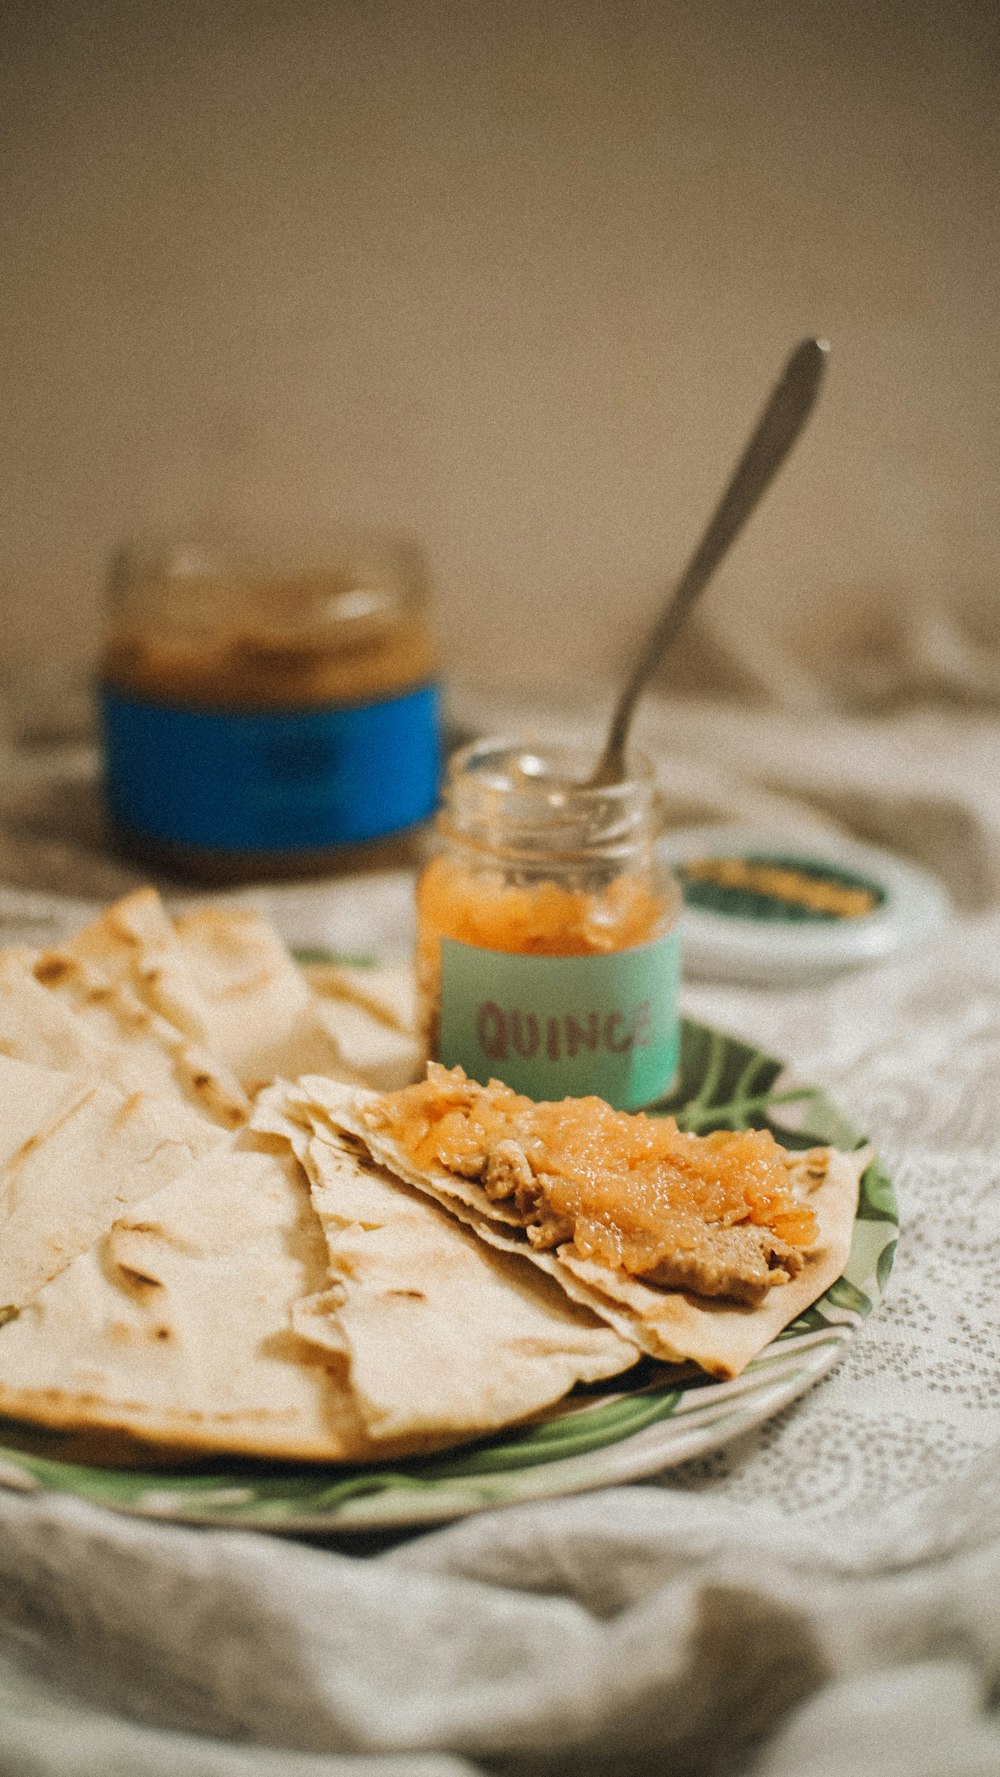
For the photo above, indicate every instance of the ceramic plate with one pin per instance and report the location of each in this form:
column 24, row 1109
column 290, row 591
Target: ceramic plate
column 599, row 1435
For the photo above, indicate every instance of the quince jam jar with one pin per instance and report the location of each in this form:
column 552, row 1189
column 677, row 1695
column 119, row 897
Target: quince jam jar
column 547, row 944
column 268, row 717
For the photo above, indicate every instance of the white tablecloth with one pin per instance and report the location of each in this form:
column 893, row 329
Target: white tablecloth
column 819, row 1599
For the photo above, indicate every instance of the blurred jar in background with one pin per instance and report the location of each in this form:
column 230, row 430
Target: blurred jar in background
column 268, row 716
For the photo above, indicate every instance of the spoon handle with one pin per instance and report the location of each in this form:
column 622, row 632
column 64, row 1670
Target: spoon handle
column 787, row 410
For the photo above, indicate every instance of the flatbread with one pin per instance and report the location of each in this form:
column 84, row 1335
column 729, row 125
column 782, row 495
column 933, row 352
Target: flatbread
column 176, row 1326
column 72, row 1155
column 223, row 977
column 59, row 1011
column 38, row 1027
column 386, row 990
column 380, row 1054
column 672, row 1325
column 443, row 1336
column 289, row 1291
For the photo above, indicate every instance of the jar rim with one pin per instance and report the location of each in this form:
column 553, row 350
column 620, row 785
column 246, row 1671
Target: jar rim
column 348, row 578
column 534, row 799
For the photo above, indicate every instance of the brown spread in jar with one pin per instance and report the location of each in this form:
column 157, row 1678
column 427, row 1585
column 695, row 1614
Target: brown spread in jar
column 266, row 717
column 244, row 663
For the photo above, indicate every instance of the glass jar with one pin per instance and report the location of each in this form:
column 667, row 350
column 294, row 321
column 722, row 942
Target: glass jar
column 547, row 943
column 264, row 715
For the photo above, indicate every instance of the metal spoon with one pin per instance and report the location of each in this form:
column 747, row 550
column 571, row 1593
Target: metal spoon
column 782, row 420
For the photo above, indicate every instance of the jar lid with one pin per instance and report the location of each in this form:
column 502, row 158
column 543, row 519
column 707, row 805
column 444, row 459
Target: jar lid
column 771, row 909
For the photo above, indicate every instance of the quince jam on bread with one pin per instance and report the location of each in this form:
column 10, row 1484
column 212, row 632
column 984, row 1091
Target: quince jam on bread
column 720, row 1215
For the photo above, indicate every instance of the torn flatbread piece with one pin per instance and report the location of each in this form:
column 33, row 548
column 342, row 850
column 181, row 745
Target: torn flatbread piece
column 73, row 1155
column 387, row 990
column 40, row 1028
column 443, row 1335
column 223, row 977
column 59, row 1011
column 688, row 1255
column 176, row 1327
column 381, row 1055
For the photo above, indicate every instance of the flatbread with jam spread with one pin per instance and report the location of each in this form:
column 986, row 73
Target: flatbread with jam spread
column 213, row 1315
column 323, row 1285
column 444, row 1336
column 169, row 1284
column 711, row 1290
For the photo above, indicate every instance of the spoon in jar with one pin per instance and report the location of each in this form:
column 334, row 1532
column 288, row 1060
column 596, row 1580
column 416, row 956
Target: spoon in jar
column 790, row 404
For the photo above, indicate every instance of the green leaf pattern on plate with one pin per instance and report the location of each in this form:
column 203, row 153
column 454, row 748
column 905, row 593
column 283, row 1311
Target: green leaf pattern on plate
column 608, row 1433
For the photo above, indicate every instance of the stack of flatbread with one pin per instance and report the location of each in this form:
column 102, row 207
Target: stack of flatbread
column 204, row 1248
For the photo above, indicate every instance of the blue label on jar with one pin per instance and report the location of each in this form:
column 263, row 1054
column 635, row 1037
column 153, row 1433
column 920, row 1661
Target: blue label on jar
column 275, row 780
column 564, row 1026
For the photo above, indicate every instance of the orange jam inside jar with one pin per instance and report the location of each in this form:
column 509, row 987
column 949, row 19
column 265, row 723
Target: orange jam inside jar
column 265, row 714
column 547, row 951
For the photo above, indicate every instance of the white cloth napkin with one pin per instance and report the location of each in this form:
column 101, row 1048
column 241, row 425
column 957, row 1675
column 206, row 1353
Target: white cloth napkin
column 820, row 1597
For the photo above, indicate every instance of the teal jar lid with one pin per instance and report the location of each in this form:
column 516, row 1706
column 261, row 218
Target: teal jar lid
column 768, row 908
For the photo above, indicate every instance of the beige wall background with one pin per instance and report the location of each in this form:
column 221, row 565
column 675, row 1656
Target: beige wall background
column 515, row 277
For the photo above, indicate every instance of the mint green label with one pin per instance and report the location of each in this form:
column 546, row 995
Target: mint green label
column 564, row 1026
